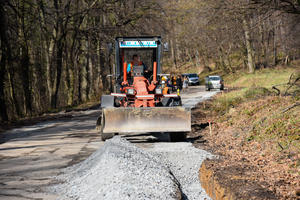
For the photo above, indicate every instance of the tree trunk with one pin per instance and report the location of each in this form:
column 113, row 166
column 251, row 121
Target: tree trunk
column 6, row 67
column 59, row 66
column 60, row 43
column 88, row 69
column 26, row 80
column 264, row 59
column 274, row 44
column 104, row 72
column 251, row 66
column 3, row 28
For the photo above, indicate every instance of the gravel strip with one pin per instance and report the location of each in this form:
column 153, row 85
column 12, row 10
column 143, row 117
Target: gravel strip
column 184, row 161
column 118, row 170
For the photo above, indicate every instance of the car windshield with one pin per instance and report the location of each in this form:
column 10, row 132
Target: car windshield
column 214, row 78
column 192, row 75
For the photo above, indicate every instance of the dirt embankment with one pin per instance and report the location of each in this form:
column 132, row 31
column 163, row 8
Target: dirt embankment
column 250, row 166
column 231, row 182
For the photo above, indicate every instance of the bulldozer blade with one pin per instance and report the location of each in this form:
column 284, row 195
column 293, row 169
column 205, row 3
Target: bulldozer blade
column 140, row 120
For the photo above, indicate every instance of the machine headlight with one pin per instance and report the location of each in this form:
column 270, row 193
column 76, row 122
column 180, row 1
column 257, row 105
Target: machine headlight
column 158, row 91
column 130, row 91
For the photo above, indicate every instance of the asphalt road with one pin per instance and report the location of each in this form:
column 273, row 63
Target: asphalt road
column 32, row 156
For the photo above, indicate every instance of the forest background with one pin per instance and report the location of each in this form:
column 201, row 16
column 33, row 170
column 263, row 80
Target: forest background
column 53, row 54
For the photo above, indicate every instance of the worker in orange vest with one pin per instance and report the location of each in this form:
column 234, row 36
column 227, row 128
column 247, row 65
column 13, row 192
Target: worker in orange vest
column 164, row 85
column 174, row 83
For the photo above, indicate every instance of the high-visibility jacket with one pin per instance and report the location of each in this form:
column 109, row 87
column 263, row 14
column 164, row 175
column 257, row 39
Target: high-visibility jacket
column 174, row 81
column 166, row 90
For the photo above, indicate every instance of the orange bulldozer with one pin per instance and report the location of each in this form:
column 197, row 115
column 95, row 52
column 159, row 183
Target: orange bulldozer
column 140, row 103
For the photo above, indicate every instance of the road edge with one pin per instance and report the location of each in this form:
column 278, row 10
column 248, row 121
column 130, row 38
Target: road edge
column 229, row 183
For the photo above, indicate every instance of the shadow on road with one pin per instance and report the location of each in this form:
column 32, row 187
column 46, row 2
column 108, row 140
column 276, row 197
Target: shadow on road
column 52, row 128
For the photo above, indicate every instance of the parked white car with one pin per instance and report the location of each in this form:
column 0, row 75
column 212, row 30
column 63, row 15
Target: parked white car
column 214, row 82
column 192, row 78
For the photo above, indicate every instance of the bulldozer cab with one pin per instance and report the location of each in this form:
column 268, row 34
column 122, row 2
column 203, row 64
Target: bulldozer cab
column 147, row 48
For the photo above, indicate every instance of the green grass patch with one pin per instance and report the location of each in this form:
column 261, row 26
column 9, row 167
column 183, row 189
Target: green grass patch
column 251, row 86
column 251, row 93
column 226, row 101
column 284, row 128
column 265, row 78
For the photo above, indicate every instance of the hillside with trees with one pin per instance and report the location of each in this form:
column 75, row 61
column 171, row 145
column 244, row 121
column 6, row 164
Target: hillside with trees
column 53, row 54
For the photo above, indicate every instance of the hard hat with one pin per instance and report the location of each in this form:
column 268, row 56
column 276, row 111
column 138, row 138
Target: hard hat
column 163, row 78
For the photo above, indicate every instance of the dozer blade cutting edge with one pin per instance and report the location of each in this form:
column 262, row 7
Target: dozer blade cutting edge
column 152, row 119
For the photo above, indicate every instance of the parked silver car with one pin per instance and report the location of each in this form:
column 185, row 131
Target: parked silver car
column 192, row 78
column 214, row 82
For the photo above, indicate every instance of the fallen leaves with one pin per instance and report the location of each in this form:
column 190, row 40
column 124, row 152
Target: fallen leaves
column 233, row 137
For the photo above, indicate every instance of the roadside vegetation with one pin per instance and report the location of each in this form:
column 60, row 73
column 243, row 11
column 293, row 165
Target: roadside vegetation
column 266, row 82
column 257, row 122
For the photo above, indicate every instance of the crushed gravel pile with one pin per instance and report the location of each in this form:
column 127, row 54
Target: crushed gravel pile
column 118, row 170
column 184, row 161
